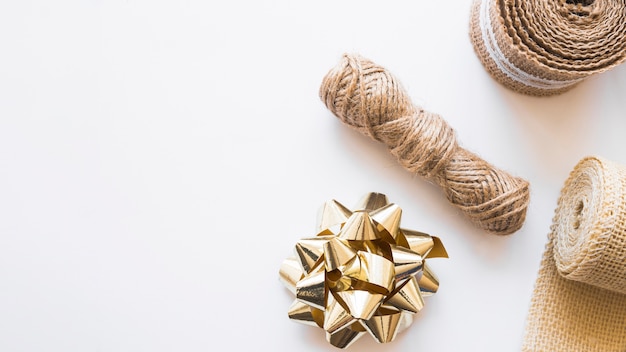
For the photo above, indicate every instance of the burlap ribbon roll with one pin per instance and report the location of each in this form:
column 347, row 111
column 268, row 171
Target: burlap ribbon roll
column 545, row 47
column 579, row 301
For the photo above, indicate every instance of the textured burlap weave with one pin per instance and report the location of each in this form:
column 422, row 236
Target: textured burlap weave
column 579, row 300
column 545, row 47
column 371, row 100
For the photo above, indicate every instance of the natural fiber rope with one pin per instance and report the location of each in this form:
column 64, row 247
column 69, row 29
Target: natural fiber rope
column 368, row 98
column 545, row 47
column 579, row 301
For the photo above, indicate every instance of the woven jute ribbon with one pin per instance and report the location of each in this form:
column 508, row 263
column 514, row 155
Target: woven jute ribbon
column 579, row 300
column 545, row 47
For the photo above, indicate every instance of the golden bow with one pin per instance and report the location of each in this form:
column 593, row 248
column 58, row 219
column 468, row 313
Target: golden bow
column 361, row 272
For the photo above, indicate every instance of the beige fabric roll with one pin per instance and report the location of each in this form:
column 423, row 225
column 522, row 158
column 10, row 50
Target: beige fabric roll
column 579, row 300
column 546, row 47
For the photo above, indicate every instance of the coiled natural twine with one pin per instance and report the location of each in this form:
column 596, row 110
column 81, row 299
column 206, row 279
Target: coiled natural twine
column 368, row 98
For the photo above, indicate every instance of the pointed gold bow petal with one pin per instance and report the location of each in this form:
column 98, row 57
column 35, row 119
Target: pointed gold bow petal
column 361, row 304
column 388, row 218
column 407, row 297
column 309, row 251
column 359, row 227
column 419, row 242
column 312, row 290
column 438, row 251
column 383, row 326
column 406, row 262
column 345, row 337
column 361, row 273
column 290, row 273
column 331, row 216
column 372, row 201
column 336, row 316
column 305, row 314
column 428, row 283
column 406, row 319
column 376, row 270
column 337, row 253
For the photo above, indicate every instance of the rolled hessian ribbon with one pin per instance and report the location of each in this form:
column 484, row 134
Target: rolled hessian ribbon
column 546, row 47
column 579, row 300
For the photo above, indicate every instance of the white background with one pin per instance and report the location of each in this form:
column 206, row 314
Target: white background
column 158, row 161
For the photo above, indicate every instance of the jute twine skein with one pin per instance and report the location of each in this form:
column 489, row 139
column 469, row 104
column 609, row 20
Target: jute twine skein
column 368, row 98
column 579, row 301
column 546, row 47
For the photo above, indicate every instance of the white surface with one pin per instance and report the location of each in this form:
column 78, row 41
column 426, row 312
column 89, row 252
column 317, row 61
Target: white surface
column 159, row 160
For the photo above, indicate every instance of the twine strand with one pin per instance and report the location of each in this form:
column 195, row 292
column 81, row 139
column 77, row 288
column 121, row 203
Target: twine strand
column 371, row 100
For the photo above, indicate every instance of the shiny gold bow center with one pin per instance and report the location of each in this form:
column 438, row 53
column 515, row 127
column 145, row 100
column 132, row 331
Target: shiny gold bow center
column 361, row 273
